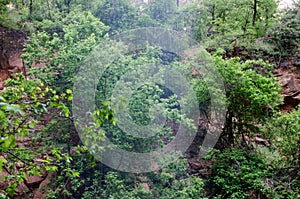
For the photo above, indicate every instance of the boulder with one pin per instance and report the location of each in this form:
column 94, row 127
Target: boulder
column 33, row 181
column 19, row 165
column 290, row 83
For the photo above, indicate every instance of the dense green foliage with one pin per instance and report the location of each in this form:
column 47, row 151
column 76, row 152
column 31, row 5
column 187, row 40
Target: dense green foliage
column 22, row 106
column 241, row 21
column 286, row 33
column 62, row 34
column 236, row 173
column 252, row 92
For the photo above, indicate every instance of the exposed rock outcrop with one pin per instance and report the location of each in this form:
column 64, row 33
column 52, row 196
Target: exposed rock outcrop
column 289, row 79
column 11, row 48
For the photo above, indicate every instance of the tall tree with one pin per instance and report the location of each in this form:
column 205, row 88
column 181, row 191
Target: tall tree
column 242, row 17
column 254, row 12
column 30, row 7
column 119, row 15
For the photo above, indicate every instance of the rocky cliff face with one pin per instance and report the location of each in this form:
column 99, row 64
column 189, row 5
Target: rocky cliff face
column 11, row 47
column 289, row 79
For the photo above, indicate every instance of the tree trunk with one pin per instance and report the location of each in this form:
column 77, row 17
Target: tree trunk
column 24, row 69
column 254, row 13
column 213, row 14
column 30, row 7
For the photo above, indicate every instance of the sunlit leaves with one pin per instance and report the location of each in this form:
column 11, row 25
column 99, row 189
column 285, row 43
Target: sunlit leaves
column 284, row 132
column 63, row 53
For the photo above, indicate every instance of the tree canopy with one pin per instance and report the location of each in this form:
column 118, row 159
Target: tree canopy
column 219, row 76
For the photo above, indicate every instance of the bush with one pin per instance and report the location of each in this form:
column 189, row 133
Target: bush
column 236, row 173
column 283, row 131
